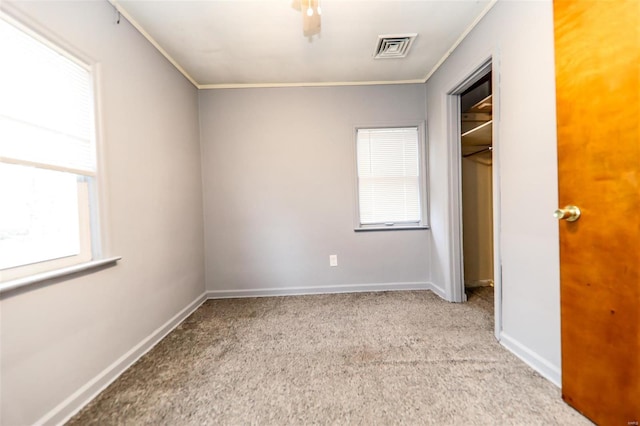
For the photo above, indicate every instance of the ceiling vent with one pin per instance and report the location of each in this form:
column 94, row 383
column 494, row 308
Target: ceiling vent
column 393, row 46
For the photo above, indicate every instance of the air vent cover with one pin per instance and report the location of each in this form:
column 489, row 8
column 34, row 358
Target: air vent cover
column 393, row 46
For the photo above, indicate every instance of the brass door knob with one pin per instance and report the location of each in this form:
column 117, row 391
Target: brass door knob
column 569, row 213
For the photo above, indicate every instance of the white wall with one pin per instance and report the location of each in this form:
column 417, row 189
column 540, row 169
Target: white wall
column 520, row 37
column 58, row 336
column 279, row 191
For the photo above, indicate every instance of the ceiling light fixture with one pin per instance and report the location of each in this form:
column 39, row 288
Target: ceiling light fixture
column 311, row 12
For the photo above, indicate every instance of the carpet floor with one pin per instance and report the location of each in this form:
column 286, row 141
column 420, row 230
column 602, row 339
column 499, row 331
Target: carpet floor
column 361, row 358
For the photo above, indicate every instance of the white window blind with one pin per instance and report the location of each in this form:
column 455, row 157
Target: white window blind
column 389, row 176
column 45, row 106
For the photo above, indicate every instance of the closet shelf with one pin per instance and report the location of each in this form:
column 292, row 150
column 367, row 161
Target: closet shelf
column 485, row 105
column 480, row 135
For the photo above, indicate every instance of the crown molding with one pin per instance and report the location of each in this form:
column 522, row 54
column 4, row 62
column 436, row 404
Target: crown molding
column 460, row 40
column 308, row 84
column 151, row 40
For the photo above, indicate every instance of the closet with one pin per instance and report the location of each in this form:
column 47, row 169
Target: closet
column 476, row 113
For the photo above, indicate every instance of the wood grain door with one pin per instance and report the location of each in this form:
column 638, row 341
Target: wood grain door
column 598, row 105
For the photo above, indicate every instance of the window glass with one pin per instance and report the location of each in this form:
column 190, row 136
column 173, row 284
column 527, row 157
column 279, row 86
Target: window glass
column 41, row 219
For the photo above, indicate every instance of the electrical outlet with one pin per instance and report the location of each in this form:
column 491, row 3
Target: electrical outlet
column 333, row 260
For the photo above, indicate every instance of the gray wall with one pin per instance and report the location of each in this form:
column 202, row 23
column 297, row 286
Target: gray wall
column 279, row 190
column 520, row 36
column 56, row 337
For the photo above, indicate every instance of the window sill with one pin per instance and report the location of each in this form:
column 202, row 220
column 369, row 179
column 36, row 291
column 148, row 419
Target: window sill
column 57, row 273
column 391, row 228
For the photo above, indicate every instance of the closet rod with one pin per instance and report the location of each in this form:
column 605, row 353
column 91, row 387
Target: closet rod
column 489, row 148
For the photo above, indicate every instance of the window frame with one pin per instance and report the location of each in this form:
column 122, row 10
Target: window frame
column 91, row 187
column 423, row 178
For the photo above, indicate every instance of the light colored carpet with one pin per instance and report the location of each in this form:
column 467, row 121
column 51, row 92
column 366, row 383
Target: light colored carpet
column 364, row 358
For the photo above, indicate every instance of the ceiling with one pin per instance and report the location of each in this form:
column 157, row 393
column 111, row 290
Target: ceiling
column 260, row 43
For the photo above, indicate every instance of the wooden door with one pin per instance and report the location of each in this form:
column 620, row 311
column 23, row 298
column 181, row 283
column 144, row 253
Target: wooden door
column 598, row 105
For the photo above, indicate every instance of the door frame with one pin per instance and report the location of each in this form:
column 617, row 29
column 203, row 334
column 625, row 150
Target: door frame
column 456, row 290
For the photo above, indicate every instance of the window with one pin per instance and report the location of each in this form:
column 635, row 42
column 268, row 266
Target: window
column 390, row 164
column 47, row 156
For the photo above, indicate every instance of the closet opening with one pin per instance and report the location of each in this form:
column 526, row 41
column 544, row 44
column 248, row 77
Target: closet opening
column 476, row 187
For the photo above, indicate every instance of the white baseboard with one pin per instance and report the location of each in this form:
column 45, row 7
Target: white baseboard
column 545, row 368
column 439, row 291
column 297, row 291
column 76, row 401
